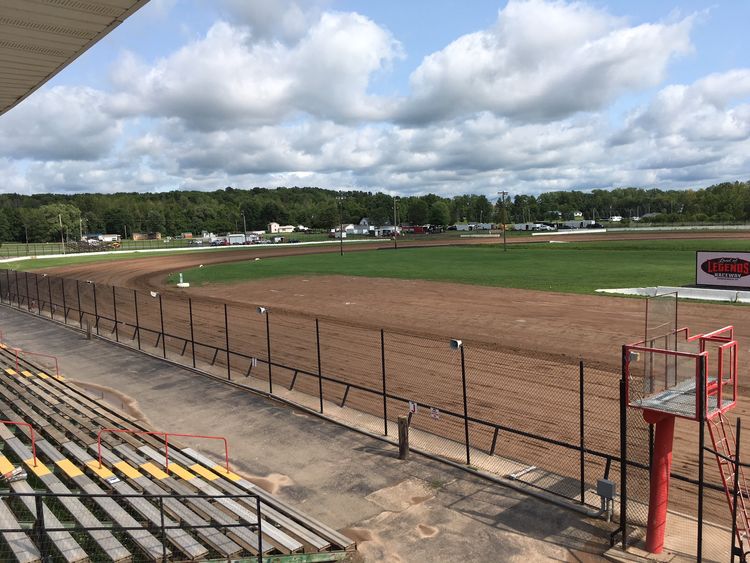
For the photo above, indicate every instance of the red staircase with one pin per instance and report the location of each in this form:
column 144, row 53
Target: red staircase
column 723, row 440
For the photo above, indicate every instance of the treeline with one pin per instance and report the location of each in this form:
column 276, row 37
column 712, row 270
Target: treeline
column 42, row 217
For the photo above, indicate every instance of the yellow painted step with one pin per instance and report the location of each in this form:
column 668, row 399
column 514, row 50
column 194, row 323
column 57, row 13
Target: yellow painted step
column 67, row 466
column 5, row 465
column 180, row 471
column 128, row 469
column 203, row 472
column 224, row 473
column 41, row 470
column 153, row 470
column 102, row 471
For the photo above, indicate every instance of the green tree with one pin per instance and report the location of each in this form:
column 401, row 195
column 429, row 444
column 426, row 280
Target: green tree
column 439, row 213
column 418, row 212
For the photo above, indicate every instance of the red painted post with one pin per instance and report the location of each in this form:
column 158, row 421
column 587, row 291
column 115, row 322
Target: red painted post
column 33, row 438
column 660, row 470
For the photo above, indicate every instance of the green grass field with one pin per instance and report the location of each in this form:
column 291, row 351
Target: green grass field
column 570, row 267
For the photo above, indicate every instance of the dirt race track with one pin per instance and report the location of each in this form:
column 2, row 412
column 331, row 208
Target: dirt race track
column 522, row 347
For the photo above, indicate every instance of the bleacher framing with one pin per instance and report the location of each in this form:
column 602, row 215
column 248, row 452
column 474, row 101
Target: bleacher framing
column 129, row 508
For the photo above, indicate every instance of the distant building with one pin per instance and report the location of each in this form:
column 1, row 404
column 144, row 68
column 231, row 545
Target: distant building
column 146, row 236
column 275, row 228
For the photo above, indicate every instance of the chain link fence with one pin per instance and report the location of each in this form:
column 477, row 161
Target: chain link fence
column 548, row 422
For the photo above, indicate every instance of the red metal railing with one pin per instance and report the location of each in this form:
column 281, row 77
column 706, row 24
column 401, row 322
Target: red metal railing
column 31, row 428
column 723, row 339
column 166, row 442
column 19, row 351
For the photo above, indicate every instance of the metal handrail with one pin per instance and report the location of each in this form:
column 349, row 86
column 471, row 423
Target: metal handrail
column 166, row 442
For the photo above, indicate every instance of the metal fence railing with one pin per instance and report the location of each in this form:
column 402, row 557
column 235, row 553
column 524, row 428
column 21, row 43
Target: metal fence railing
column 550, row 422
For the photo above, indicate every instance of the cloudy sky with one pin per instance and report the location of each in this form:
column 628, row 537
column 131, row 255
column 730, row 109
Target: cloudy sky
column 410, row 97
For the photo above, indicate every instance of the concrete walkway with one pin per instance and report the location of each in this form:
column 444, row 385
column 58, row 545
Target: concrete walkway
column 397, row 511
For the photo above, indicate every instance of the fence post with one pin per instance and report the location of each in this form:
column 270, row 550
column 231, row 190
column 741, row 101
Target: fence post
column 114, row 307
column 80, row 309
column 39, row 527
column 137, row 323
column 96, row 310
column 403, row 437
column 38, row 300
column 385, row 392
column 466, row 408
column 226, row 334
column 701, row 446
column 581, row 423
column 736, row 489
column 260, row 531
column 163, row 336
column 268, row 342
column 65, row 303
column 18, row 291
column 49, row 290
column 192, row 334
column 163, row 532
column 28, row 291
column 320, row 371
column 624, row 452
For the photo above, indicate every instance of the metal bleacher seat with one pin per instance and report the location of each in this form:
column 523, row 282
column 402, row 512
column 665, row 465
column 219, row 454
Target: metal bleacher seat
column 205, row 510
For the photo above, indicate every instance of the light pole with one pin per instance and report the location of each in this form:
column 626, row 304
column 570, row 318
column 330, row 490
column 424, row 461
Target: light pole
column 80, row 229
column 505, row 219
column 341, row 224
column 244, row 225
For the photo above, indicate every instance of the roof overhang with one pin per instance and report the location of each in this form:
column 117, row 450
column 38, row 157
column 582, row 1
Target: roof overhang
column 39, row 38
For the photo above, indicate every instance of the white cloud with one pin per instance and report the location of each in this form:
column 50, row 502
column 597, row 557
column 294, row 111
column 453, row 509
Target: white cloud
column 223, row 80
column 524, row 106
column 542, row 61
column 60, row 123
column 714, row 108
column 286, row 20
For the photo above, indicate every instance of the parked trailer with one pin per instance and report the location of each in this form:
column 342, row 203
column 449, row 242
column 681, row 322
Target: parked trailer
column 236, row 238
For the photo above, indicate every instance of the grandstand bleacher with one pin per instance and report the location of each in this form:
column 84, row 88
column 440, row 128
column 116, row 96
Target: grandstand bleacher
column 132, row 506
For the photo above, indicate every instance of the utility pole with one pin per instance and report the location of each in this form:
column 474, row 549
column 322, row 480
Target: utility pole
column 244, row 225
column 62, row 233
column 80, row 229
column 341, row 224
column 505, row 219
column 395, row 229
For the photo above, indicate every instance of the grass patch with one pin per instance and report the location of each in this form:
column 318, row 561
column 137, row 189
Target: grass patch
column 571, row 267
column 38, row 263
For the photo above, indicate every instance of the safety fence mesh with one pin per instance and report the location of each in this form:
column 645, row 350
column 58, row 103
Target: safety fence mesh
column 548, row 422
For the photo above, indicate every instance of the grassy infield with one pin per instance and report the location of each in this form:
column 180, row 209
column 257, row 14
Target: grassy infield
column 571, row 267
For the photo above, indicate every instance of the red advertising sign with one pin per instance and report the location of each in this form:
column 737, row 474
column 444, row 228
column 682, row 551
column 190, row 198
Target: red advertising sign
column 726, row 269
